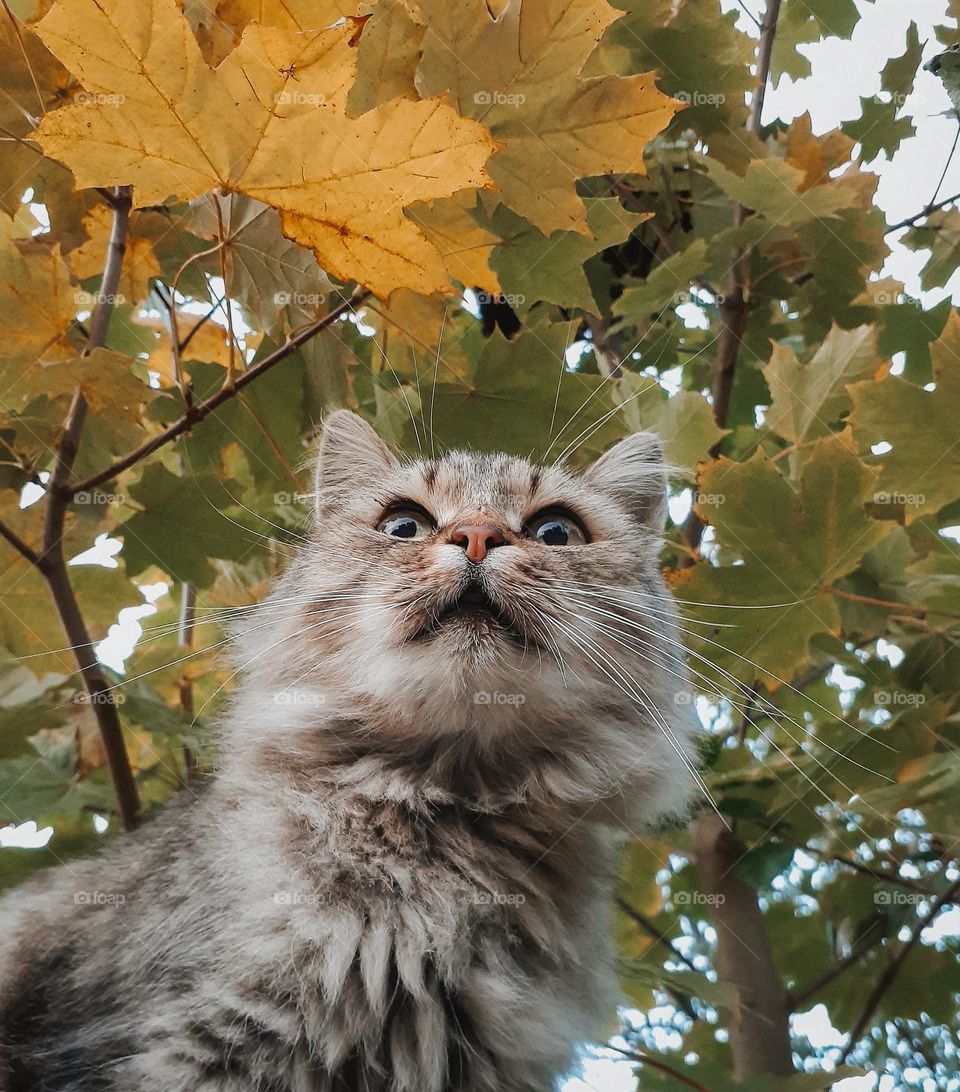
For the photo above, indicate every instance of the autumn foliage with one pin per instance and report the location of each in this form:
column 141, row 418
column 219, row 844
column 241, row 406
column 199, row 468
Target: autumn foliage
column 535, row 226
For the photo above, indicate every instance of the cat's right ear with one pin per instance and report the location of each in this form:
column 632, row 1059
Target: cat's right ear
column 351, row 457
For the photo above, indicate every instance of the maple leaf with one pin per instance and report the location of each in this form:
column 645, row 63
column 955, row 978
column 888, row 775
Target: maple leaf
column 791, row 546
column 513, row 73
column 139, row 260
column 808, row 398
column 270, row 122
column 922, row 471
column 37, row 302
column 33, row 80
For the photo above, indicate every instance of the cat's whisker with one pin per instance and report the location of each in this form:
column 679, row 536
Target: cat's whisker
column 646, row 704
column 593, row 428
column 613, row 634
column 622, row 590
column 295, row 633
column 716, row 667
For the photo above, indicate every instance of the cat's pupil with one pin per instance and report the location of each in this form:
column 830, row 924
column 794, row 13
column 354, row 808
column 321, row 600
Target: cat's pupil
column 404, row 527
column 554, row 533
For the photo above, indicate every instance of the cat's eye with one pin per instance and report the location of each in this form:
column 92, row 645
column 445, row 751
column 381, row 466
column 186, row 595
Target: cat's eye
column 557, row 528
column 406, row 523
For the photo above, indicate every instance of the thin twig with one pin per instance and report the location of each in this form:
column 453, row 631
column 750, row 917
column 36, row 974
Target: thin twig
column 657, row 1063
column 52, row 562
column 658, row 934
column 799, row 998
column 203, row 409
column 924, row 212
column 893, row 968
column 18, row 544
column 888, row 604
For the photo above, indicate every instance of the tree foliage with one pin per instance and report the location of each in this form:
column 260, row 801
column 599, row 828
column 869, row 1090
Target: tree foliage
column 538, row 227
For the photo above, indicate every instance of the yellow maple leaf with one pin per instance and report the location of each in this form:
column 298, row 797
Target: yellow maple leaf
column 38, row 301
column 33, row 80
column 516, row 74
column 270, row 122
column 139, row 260
column 286, row 14
column 464, row 244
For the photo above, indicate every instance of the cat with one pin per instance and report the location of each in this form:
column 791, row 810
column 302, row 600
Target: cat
column 399, row 878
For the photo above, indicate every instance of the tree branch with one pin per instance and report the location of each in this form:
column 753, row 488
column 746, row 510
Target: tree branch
column 52, row 562
column 760, row 1027
column 656, row 1063
column 799, row 997
column 203, row 409
column 658, row 934
column 893, row 968
column 917, row 216
column 735, row 306
column 888, row 604
column 19, row 545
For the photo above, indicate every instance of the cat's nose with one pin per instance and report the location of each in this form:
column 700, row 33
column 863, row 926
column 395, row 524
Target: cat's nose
column 478, row 539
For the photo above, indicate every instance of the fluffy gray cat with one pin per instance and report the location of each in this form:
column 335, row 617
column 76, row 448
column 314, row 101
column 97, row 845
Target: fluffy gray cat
column 399, row 879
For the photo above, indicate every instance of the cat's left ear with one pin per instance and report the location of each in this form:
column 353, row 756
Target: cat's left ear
column 351, row 457
column 634, row 472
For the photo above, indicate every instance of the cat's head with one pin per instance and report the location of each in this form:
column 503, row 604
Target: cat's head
column 484, row 603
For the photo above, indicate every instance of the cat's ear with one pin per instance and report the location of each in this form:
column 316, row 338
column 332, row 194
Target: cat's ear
column 351, row 457
column 633, row 471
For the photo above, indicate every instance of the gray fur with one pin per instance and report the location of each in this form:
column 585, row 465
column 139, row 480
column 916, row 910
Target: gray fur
column 390, row 884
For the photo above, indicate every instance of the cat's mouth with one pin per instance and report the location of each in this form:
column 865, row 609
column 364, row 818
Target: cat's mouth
column 473, row 607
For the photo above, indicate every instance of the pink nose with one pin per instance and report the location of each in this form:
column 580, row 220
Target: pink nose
column 478, row 539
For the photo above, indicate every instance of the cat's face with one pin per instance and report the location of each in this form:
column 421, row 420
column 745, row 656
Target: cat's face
column 480, row 566
column 482, row 593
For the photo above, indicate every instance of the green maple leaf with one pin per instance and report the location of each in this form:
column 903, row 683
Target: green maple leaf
column 787, row 547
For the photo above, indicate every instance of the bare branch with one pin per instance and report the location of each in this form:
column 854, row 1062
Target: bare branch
column 52, row 562
column 922, row 214
column 657, row 1063
column 735, row 308
column 19, row 545
column 800, row 997
column 759, row 1026
column 658, row 934
column 203, row 409
column 894, row 966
